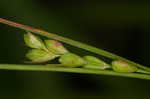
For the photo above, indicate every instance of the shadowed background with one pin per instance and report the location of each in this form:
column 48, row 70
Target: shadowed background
column 121, row 27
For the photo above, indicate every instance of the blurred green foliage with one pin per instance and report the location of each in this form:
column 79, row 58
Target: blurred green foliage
column 121, row 27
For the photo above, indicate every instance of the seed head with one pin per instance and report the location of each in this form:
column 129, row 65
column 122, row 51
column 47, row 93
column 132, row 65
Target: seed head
column 55, row 47
column 121, row 66
column 39, row 56
column 72, row 60
column 95, row 63
column 33, row 41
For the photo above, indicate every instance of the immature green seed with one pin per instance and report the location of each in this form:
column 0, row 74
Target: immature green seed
column 72, row 60
column 95, row 63
column 33, row 41
column 55, row 47
column 39, row 56
column 121, row 66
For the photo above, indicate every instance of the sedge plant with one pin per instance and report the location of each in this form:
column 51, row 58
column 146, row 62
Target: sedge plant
column 51, row 48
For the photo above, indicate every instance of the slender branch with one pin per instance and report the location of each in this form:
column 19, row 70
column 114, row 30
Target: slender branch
column 71, row 42
column 71, row 70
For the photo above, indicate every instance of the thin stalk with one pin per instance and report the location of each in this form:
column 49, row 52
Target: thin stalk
column 71, row 70
column 143, row 71
column 71, row 42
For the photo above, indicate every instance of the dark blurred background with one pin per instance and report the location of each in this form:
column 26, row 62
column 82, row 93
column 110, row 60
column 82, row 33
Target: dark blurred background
column 118, row 26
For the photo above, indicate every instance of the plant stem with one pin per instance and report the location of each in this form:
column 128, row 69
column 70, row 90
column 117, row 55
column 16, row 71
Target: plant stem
column 71, row 70
column 143, row 71
column 71, row 42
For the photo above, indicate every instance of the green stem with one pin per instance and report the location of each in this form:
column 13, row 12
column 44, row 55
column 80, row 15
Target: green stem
column 55, row 65
column 71, row 70
column 143, row 71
